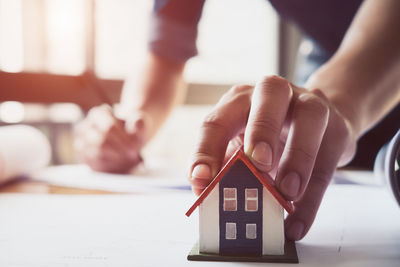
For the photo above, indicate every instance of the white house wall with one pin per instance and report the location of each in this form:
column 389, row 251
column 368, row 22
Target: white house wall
column 273, row 228
column 209, row 223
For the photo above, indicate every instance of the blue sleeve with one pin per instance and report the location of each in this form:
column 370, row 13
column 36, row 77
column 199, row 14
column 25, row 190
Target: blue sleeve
column 173, row 31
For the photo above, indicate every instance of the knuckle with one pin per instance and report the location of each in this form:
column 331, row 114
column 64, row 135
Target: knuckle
column 213, row 121
column 314, row 105
column 300, row 154
column 339, row 130
column 94, row 111
column 275, row 83
column 321, row 179
column 272, row 79
column 202, row 156
column 320, row 94
column 266, row 125
column 240, row 89
column 240, row 94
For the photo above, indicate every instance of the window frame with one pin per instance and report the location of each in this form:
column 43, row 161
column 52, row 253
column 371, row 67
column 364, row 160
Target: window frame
column 226, row 231
column 248, row 225
column 247, row 198
column 225, row 198
column 69, row 89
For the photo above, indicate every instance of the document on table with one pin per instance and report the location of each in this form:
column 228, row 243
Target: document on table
column 356, row 226
column 154, row 177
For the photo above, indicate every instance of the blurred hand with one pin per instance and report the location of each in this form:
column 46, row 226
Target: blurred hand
column 108, row 144
column 287, row 130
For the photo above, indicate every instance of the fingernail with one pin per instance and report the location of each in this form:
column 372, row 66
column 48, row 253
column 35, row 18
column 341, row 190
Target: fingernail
column 262, row 153
column 201, row 171
column 305, row 97
column 290, row 184
column 295, row 231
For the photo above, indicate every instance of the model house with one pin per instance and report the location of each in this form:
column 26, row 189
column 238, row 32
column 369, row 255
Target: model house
column 241, row 212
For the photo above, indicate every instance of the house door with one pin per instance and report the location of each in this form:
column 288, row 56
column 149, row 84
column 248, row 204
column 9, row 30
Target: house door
column 240, row 211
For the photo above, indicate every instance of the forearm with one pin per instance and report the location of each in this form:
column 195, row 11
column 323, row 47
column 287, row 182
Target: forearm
column 363, row 78
column 155, row 92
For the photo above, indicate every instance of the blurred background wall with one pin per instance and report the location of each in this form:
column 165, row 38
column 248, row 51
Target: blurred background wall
column 47, row 48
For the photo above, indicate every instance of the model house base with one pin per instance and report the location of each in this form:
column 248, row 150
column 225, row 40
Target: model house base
column 290, row 256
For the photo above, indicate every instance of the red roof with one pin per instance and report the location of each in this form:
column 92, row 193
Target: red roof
column 264, row 179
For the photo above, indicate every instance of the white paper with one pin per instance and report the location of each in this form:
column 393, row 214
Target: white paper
column 156, row 176
column 356, row 226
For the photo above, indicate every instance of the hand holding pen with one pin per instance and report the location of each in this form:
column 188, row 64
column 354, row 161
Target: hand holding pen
column 109, row 144
column 105, row 142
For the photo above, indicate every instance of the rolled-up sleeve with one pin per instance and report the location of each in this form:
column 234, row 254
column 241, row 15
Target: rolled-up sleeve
column 173, row 31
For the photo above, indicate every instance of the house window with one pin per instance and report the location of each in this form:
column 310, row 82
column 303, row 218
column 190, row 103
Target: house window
column 251, row 195
column 230, row 199
column 230, row 230
column 251, row 231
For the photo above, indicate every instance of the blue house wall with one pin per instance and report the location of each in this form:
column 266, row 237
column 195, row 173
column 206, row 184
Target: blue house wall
column 240, row 177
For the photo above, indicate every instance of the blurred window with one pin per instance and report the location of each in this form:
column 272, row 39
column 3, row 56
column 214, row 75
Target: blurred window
column 237, row 42
column 237, row 38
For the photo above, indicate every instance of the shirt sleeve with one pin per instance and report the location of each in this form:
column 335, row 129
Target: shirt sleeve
column 173, row 28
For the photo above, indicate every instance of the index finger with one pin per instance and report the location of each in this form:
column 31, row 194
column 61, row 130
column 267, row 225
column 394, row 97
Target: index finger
column 219, row 127
column 269, row 108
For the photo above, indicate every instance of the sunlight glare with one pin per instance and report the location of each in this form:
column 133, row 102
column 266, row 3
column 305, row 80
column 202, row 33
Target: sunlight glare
column 11, row 46
column 12, row 112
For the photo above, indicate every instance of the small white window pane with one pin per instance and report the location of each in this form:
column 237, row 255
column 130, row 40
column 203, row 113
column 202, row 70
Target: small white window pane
column 230, row 200
column 251, row 205
column 230, row 231
column 229, row 192
column 251, row 198
column 230, row 205
column 251, row 231
column 251, row 192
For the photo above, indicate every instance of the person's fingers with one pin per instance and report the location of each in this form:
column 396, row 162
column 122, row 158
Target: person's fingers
column 336, row 139
column 137, row 127
column 233, row 146
column 219, row 127
column 101, row 138
column 269, row 108
column 104, row 121
column 108, row 158
column 309, row 122
column 102, row 142
column 113, row 131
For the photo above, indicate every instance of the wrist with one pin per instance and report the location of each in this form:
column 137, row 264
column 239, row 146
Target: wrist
column 344, row 96
column 346, row 114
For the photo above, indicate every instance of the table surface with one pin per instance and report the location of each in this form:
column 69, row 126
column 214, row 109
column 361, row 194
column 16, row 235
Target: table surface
column 44, row 225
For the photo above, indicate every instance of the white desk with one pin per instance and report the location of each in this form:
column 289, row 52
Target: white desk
column 356, row 226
